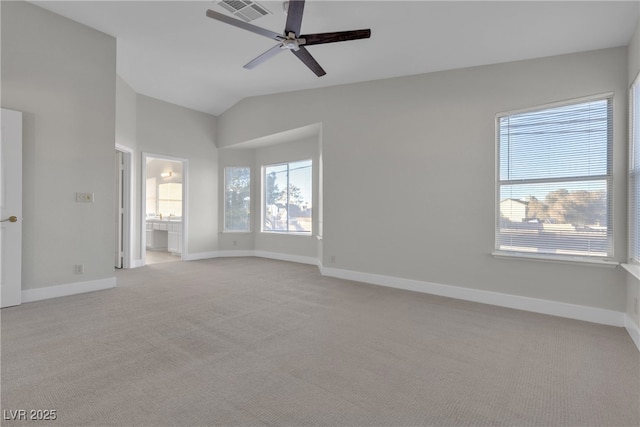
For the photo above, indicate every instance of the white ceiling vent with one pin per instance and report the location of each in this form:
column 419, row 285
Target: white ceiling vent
column 246, row 10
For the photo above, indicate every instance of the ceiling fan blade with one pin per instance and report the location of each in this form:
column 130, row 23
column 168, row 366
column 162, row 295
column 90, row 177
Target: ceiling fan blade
column 340, row 36
column 294, row 17
column 262, row 58
column 304, row 56
column 245, row 26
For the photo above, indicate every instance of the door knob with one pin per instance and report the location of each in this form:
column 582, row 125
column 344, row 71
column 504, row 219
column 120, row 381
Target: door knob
column 12, row 218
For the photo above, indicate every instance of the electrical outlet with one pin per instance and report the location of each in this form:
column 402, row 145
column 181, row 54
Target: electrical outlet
column 78, row 269
column 84, row 197
column 635, row 305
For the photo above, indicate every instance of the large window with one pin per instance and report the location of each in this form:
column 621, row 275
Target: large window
column 237, row 205
column 634, row 171
column 287, row 197
column 554, row 180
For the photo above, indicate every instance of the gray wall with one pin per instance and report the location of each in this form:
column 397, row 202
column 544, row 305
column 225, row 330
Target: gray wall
column 62, row 76
column 427, row 143
column 149, row 125
column 171, row 130
column 125, row 114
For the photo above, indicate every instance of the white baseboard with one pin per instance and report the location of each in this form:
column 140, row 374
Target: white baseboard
column 252, row 253
column 554, row 308
column 633, row 330
column 200, row 255
column 38, row 294
column 137, row 263
column 286, row 257
column 236, row 253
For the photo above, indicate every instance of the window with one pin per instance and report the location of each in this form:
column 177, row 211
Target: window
column 170, row 199
column 151, row 195
column 554, row 180
column 287, row 197
column 237, row 204
column 634, row 171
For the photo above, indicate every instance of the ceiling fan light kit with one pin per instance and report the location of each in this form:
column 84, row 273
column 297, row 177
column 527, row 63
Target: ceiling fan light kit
column 291, row 39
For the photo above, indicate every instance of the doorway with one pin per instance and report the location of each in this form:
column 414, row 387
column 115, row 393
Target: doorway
column 164, row 208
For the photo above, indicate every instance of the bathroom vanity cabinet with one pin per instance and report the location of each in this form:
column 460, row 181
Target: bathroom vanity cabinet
column 164, row 235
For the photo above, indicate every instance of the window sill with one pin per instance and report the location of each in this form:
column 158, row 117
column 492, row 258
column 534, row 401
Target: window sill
column 236, row 232
column 284, row 233
column 633, row 269
column 559, row 259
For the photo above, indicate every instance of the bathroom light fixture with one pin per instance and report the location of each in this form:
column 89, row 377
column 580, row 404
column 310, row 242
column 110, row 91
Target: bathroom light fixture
column 166, row 174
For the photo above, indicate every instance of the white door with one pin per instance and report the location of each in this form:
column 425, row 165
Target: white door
column 11, row 208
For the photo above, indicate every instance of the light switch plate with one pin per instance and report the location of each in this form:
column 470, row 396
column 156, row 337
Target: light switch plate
column 84, row 197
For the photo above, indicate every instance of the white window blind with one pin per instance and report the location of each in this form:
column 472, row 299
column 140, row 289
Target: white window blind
column 170, row 199
column 151, row 196
column 287, row 198
column 554, row 180
column 237, row 205
column 634, row 171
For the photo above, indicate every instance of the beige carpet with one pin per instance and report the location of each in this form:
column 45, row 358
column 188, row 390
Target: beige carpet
column 247, row 341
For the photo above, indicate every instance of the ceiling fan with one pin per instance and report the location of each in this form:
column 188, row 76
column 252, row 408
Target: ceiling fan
column 291, row 39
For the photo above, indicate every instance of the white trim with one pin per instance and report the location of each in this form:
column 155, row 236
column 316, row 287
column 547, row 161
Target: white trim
column 561, row 259
column 596, row 97
column 553, row 308
column 288, row 233
column 129, row 202
column 236, row 253
column 38, row 294
column 632, row 171
column 633, row 330
column 633, row 269
column 287, row 257
column 137, row 263
column 252, row 253
column 124, row 148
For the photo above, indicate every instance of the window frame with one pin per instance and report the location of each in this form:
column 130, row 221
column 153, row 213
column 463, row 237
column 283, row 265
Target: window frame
column 263, row 200
column 633, row 198
column 607, row 260
column 224, row 208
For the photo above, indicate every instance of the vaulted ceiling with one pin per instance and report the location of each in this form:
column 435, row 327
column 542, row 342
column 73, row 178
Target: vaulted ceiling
column 171, row 51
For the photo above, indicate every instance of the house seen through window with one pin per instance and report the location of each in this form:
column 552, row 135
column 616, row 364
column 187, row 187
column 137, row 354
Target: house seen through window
column 287, row 197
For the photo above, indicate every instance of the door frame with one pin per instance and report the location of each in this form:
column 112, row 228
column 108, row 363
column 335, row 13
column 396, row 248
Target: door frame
column 128, row 202
column 143, row 202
